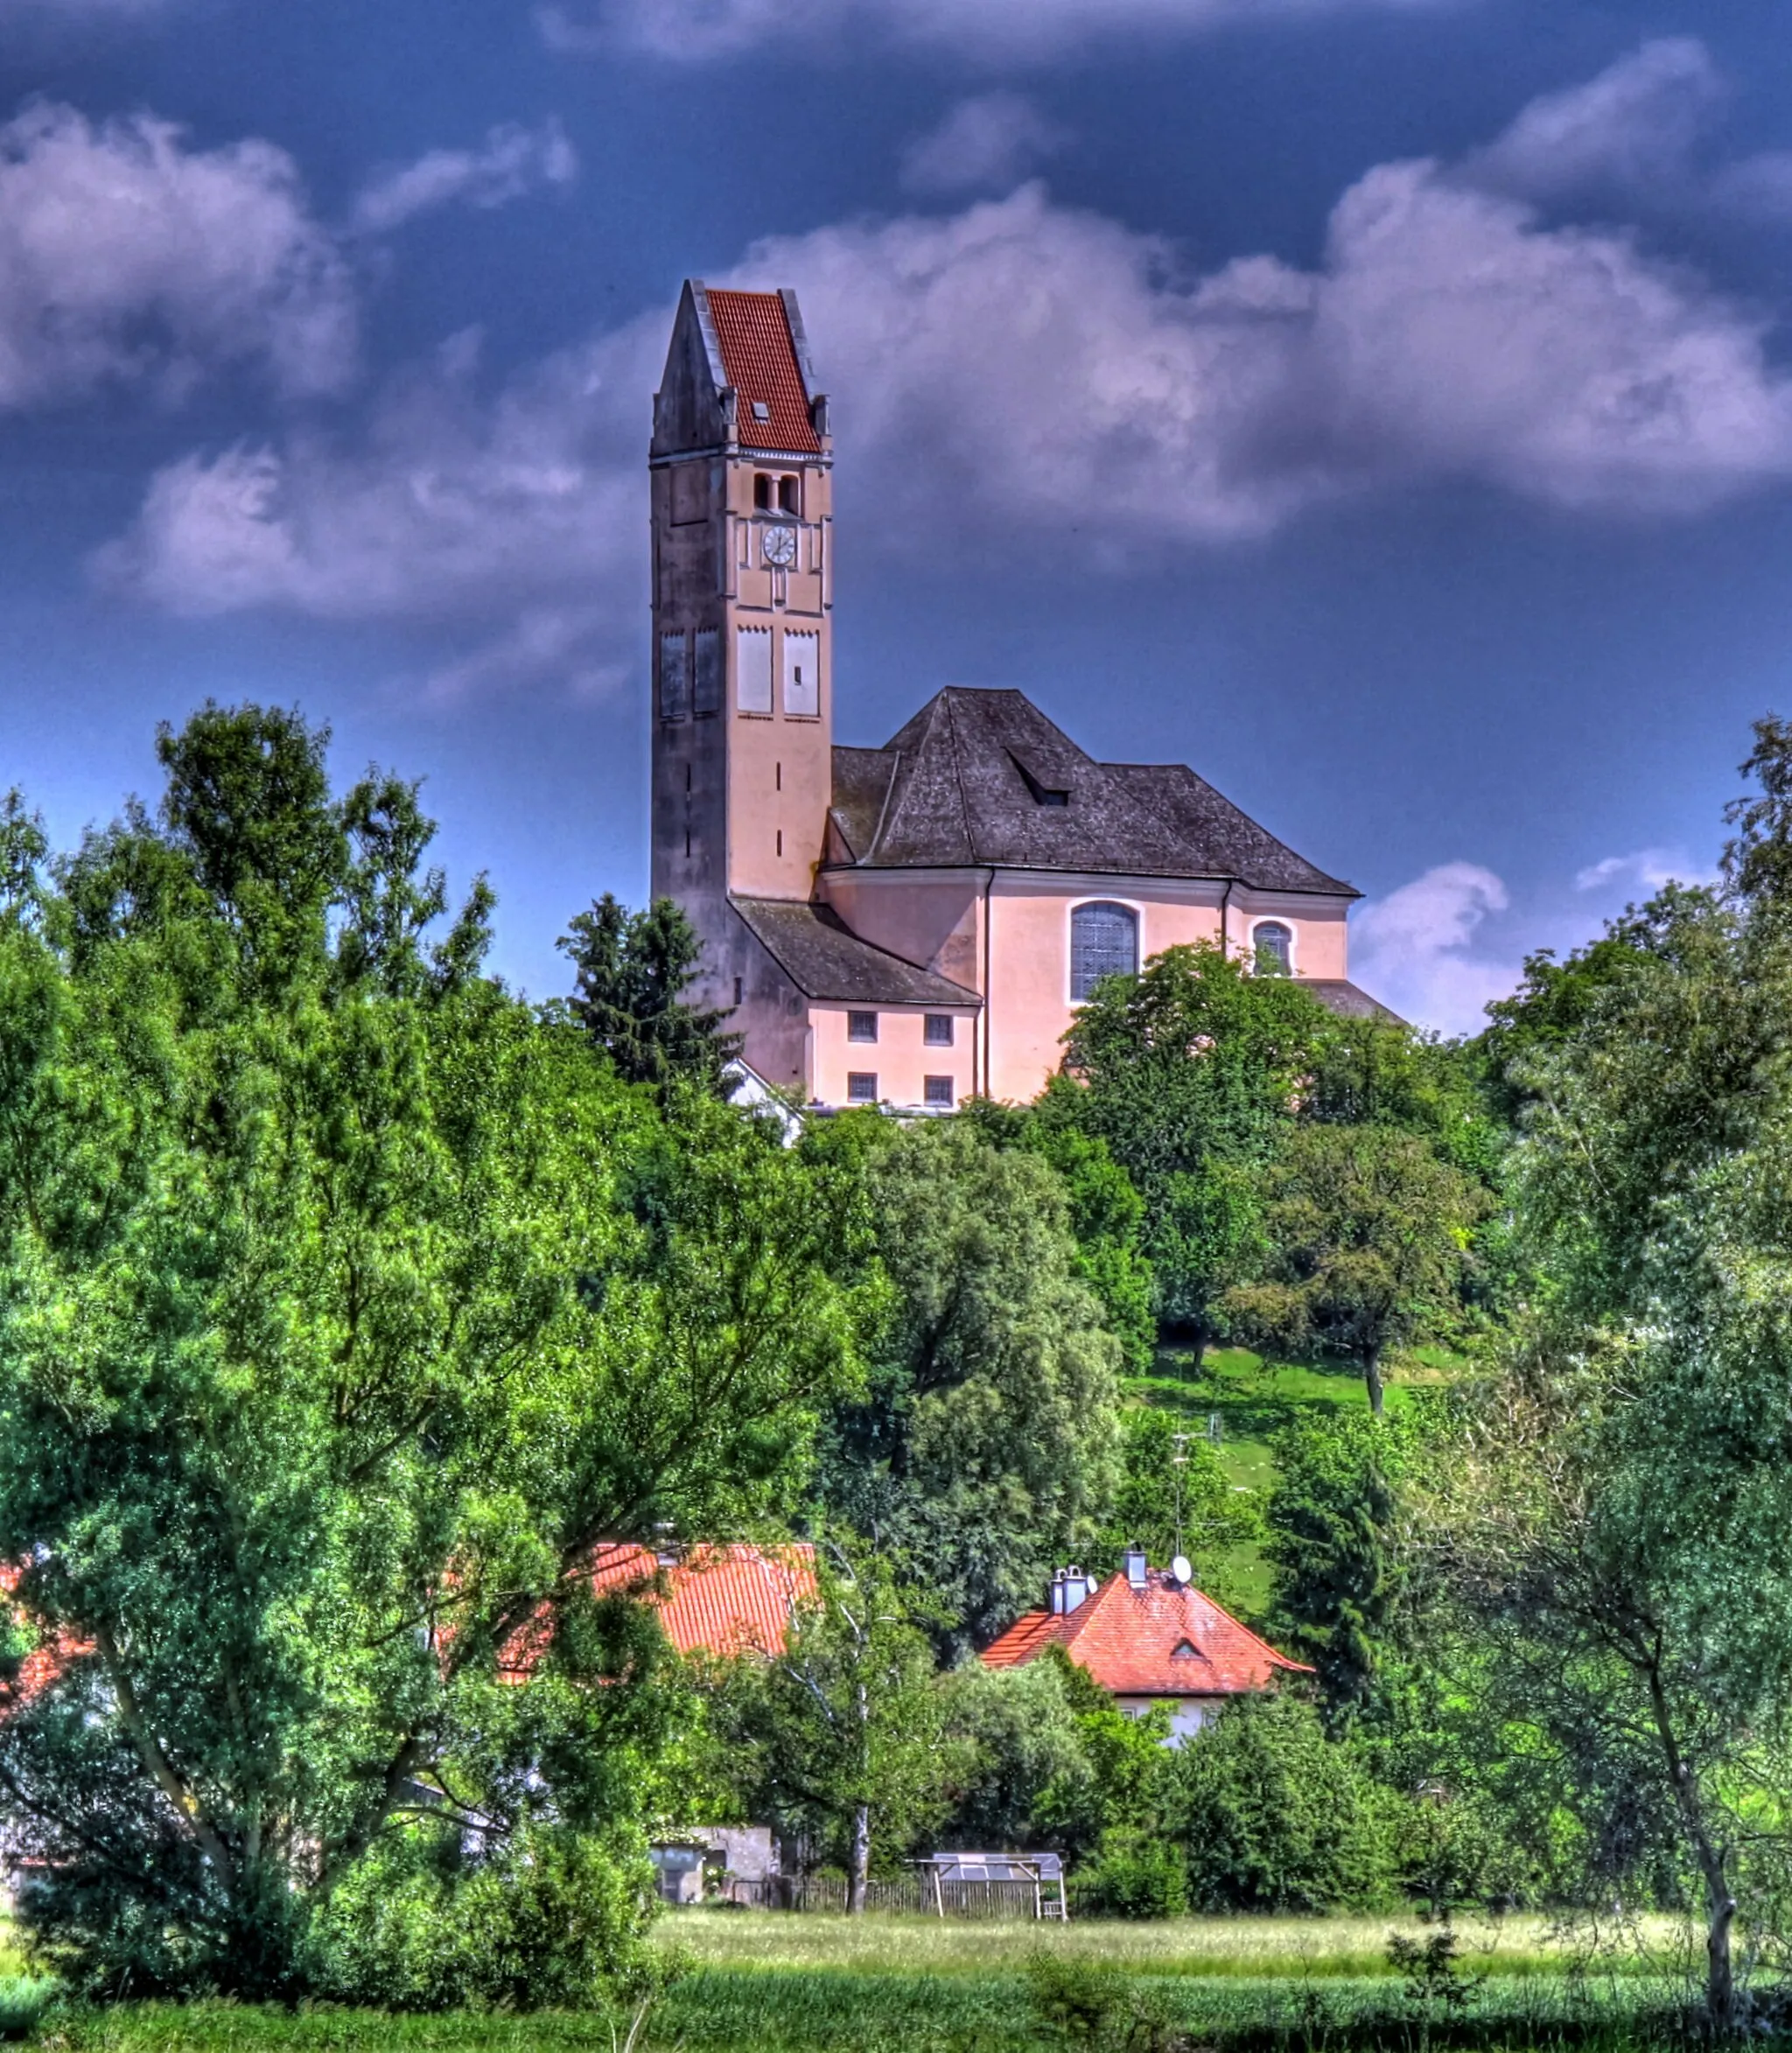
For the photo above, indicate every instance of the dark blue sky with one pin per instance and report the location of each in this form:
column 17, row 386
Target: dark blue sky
column 1381, row 405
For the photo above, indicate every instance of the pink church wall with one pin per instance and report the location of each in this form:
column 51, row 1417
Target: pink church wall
column 900, row 1058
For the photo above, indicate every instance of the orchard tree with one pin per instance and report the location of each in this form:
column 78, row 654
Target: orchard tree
column 350, row 1301
column 1369, row 1234
column 1189, row 1071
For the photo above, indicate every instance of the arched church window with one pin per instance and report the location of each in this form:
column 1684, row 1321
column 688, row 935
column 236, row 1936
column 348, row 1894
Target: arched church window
column 1274, row 944
column 787, row 496
column 1103, row 942
column 761, row 492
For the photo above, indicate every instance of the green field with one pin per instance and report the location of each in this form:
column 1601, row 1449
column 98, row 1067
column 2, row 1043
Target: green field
column 765, row 1983
column 1250, row 1400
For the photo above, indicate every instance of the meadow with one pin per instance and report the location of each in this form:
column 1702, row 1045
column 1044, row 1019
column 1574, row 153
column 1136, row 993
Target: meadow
column 765, row 1983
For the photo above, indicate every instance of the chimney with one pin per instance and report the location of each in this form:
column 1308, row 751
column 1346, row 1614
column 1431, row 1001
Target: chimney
column 1137, row 1568
column 1070, row 1590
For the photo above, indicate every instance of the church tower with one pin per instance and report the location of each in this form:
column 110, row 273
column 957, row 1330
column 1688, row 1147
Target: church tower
column 742, row 674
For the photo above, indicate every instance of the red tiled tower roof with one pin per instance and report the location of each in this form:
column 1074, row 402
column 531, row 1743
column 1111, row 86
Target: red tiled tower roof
column 758, row 354
column 1168, row 1639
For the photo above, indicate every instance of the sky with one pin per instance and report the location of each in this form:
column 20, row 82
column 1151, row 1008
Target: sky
column 1385, row 406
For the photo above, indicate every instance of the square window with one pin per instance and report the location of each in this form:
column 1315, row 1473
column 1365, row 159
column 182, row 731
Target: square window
column 861, row 1087
column 939, row 1030
column 861, row 1026
column 760, row 411
column 937, row 1090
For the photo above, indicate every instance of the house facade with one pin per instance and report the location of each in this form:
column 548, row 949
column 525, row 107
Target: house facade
column 914, row 924
column 1149, row 1638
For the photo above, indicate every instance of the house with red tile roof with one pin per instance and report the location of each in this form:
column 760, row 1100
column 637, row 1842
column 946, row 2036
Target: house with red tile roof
column 1148, row 1638
column 718, row 1600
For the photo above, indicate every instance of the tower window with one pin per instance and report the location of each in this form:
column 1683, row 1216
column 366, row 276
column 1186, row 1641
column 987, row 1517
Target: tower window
column 737, row 990
column 938, row 1092
column 939, row 1030
column 780, row 841
column 754, row 679
column 1103, row 942
column 761, row 492
column 802, row 674
column 706, row 697
column 687, row 841
column 787, row 496
column 778, row 778
column 861, row 1026
column 1274, row 947
column 674, row 678
column 862, row 1087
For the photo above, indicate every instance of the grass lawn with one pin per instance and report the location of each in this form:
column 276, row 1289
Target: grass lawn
column 765, row 1983
column 1250, row 1399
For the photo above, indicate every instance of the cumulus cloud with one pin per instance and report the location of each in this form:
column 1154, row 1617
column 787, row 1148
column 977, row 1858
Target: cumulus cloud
column 1644, row 872
column 697, row 30
column 1416, row 949
column 128, row 256
column 514, row 161
column 990, row 140
column 1442, row 947
column 1028, row 367
column 1634, row 126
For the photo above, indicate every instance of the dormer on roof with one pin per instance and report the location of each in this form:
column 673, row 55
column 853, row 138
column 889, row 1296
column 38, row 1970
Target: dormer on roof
column 738, row 376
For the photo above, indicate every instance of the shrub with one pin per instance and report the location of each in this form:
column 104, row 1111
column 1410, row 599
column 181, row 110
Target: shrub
column 1272, row 1816
column 1135, row 1876
column 554, row 1921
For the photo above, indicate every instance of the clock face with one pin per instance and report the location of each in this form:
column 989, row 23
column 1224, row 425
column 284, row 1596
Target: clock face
column 778, row 546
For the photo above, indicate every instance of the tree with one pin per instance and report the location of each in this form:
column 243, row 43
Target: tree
column 1619, row 1528
column 1370, row 1232
column 633, row 968
column 1273, row 1817
column 1333, row 1544
column 842, row 1735
column 983, row 1450
column 1189, row 1072
column 349, row 1302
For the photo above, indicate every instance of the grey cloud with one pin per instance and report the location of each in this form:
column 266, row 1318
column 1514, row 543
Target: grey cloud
column 991, row 140
column 514, row 161
column 1021, row 369
column 126, row 256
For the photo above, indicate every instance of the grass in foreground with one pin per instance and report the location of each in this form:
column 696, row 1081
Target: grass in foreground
column 763, row 1983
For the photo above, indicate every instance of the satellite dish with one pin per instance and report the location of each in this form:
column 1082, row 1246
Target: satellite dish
column 1180, row 1569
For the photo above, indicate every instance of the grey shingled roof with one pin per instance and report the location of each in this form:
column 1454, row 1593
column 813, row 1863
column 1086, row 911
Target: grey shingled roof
column 968, row 783
column 1338, row 995
column 826, row 960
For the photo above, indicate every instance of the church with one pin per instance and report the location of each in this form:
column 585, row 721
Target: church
column 912, row 925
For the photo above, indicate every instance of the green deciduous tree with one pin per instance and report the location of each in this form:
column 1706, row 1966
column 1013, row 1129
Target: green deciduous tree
column 632, row 970
column 1370, row 1232
column 842, row 1736
column 1175, row 1497
column 348, row 1302
column 982, row 1453
column 1188, row 1071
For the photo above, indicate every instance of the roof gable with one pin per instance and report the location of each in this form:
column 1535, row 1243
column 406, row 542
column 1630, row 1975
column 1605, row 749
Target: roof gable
column 1168, row 1639
column 983, row 778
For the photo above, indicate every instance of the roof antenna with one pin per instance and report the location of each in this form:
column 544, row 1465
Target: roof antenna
column 1178, row 1461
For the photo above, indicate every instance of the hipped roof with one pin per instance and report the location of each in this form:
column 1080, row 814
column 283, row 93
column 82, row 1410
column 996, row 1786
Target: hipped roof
column 982, row 778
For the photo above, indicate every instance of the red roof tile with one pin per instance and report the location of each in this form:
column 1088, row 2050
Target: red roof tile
column 715, row 1599
column 1128, row 1639
column 759, row 357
